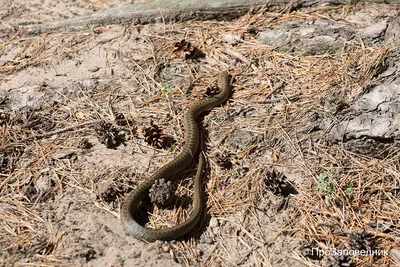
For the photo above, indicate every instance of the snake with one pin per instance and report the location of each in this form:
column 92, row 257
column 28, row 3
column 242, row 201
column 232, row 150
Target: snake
column 168, row 171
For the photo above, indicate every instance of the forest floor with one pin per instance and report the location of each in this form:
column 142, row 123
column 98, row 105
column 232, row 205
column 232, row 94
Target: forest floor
column 277, row 188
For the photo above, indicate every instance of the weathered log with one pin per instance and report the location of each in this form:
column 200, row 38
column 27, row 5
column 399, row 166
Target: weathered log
column 176, row 10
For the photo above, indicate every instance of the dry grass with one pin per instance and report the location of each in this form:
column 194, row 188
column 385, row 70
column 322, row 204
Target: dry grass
column 355, row 192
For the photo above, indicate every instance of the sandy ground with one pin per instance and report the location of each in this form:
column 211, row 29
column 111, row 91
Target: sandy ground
column 60, row 195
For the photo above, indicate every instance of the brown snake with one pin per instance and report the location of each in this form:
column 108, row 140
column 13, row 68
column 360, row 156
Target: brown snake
column 181, row 162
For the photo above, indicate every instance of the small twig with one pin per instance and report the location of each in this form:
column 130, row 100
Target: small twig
column 278, row 99
column 235, row 54
column 276, row 88
column 39, row 136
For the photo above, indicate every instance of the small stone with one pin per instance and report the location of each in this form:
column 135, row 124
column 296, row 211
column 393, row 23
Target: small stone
column 63, row 154
column 213, row 222
column 43, row 183
column 165, row 248
column 216, row 230
column 209, row 40
column 373, row 31
column 232, row 38
column 206, row 239
column 94, row 69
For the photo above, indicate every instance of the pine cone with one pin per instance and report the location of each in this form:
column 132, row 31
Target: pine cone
column 4, row 163
column 123, row 120
column 84, row 144
column 277, row 183
column 223, row 160
column 184, row 50
column 161, row 193
column 155, row 137
column 4, row 117
column 108, row 135
column 339, row 259
column 361, row 240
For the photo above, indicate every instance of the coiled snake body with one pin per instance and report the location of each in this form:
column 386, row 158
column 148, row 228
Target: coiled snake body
column 181, row 162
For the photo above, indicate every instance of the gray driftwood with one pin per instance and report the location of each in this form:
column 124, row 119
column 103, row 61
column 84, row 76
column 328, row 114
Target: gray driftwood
column 176, row 10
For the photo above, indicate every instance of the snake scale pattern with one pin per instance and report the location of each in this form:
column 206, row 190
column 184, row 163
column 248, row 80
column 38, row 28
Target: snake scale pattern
column 181, row 162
